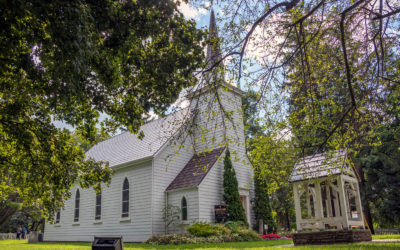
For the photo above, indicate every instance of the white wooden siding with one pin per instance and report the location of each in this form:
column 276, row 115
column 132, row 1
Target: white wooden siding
column 211, row 191
column 168, row 163
column 137, row 229
column 192, row 199
column 234, row 133
column 149, row 180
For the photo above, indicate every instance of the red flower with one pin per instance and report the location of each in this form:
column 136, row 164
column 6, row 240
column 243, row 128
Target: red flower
column 270, row 236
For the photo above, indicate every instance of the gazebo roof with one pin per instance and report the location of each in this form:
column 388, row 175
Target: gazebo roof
column 321, row 165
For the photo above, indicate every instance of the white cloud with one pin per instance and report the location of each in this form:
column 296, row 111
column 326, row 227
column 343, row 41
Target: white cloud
column 191, row 12
column 264, row 42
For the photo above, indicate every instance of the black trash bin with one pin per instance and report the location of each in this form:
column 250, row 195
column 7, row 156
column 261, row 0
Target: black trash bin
column 107, row 243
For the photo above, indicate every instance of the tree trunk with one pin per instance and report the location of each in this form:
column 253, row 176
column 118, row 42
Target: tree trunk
column 287, row 219
column 260, row 227
column 365, row 201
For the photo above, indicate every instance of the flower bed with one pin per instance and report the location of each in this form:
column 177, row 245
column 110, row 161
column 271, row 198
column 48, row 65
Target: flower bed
column 271, row 236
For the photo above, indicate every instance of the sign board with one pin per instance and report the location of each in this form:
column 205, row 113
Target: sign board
column 220, row 213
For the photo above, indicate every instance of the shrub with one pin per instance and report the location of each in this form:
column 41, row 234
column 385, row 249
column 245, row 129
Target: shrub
column 201, row 229
column 207, row 233
column 235, row 225
column 221, row 229
column 175, row 239
column 248, row 235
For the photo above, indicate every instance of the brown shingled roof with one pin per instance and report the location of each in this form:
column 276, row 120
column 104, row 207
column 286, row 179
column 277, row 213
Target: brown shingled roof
column 195, row 170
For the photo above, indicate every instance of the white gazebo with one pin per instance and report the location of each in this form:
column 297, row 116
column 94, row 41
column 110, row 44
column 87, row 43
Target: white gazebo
column 326, row 193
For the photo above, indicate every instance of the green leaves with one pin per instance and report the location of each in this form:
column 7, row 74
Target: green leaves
column 73, row 61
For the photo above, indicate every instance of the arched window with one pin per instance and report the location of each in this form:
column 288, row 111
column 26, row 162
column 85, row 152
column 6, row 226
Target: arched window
column 77, row 199
column 184, row 208
column 98, row 206
column 58, row 215
column 125, row 198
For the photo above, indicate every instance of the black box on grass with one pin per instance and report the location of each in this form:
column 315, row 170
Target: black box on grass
column 107, row 243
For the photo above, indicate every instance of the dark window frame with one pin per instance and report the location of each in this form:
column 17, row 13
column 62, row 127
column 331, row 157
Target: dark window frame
column 97, row 215
column 184, row 209
column 125, row 199
column 77, row 204
column 58, row 216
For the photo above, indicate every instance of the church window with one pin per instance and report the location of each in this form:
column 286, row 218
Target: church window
column 184, row 209
column 125, row 198
column 58, row 215
column 77, row 200
column 98, row 206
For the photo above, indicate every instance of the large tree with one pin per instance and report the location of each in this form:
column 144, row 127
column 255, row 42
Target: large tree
column 335, row 57
column 73, row 61
column 325, row 67
column 380, row 166
column 273, row 156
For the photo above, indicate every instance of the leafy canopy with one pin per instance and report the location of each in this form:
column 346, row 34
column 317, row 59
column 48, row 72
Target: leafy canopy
column 72, row 61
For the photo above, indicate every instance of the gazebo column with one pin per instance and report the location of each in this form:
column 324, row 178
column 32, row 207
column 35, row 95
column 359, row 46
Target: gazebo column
column 328, row 199
column 307, row 188
column 358, row 202
column 297, row 205
column 343, row 203
column 319, row 214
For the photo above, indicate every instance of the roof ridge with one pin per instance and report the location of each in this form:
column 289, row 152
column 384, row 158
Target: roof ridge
column 160, row 118
column 147, row 123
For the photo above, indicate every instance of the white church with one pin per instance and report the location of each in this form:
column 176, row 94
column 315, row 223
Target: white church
column 179, row 162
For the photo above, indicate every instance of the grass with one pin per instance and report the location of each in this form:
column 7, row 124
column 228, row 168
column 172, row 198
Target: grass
column 256, row 245
column 385, row 237
column 23, row 244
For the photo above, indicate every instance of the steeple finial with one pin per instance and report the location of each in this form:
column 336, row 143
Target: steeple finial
column 213, row 51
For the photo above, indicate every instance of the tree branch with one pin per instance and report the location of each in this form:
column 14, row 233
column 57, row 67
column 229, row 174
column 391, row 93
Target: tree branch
column 309, row 13
column 343, row 42
column 288, row 5
column 378, row 16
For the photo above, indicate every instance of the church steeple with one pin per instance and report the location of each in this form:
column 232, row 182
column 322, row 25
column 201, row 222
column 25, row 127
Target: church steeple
column 213, row 50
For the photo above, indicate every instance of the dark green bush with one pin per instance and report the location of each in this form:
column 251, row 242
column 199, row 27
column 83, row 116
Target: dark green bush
column 201, row 229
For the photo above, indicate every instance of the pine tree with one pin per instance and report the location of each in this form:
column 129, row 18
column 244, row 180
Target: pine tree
column 234, row 208
column 262, row 205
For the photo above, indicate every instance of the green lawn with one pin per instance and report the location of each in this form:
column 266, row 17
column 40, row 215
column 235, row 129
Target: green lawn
column 281, row 244
column 16, row 245
column 384, row 237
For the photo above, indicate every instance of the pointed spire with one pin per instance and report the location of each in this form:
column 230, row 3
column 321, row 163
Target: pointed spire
column 213, row 51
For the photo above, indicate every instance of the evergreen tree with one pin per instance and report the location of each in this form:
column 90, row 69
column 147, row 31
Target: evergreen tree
column 380, row 165
column 234, row 208
column 262, row 206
